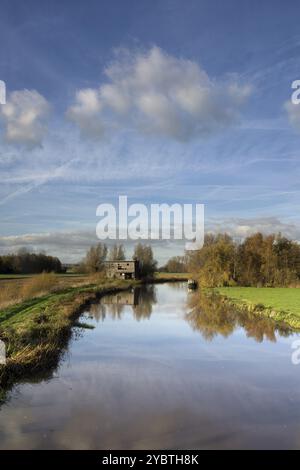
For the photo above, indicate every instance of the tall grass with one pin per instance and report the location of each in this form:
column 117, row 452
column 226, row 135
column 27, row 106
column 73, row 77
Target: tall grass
column 15, row 291
column 11, row 292
column 39, row 285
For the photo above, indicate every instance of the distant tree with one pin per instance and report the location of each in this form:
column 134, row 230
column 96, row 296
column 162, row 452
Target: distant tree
column 24, row 262
column 116, row 253
column 147, row 263
column 95, row 258
column 176, row 264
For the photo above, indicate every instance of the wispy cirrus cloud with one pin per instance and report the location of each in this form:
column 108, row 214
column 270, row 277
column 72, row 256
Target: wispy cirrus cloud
column 36, row 181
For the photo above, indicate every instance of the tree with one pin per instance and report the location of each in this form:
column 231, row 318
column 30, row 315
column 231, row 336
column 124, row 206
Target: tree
column 95, row 258
column 250, row 259
column 259, row 260
column 117, row 253
column 214, row 263
column 147, row 263
column 176, row 264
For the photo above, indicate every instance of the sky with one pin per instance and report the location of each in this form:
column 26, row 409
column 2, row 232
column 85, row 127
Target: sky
column 170, row 101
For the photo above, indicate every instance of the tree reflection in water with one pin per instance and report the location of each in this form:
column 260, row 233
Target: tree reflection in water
column 207, row 313
column 211, row 315
column 147, row 298
column 140, row 299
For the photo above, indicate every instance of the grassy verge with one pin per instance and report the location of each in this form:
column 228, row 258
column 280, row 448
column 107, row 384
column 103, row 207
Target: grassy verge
column 16, row 289
column 37, row 330
column 281, row 304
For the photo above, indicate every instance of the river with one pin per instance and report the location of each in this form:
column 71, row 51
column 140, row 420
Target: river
column 163, row 368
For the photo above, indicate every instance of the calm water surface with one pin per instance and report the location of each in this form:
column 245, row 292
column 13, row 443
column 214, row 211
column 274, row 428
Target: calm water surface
column 163, row 369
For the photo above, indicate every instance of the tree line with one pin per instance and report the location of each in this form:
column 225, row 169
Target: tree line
column 24, row 262
column 259, row 260
column 176, row 264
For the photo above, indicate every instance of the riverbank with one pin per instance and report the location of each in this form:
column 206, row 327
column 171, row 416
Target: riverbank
column 279, row 303
column 36, row 331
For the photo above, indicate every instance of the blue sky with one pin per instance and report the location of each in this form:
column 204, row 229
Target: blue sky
column 165, row 101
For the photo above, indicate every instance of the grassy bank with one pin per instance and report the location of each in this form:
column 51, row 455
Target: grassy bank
column 17, row 288
column 37, row 319
column 36, row 330
column 279, row 303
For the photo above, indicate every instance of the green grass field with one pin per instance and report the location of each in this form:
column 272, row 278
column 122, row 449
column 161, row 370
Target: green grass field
column 26, row 276
column 281, row 299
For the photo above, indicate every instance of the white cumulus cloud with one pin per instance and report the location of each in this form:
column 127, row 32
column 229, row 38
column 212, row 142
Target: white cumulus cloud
column 23, row 117
column 85, row 112
column 159, row 94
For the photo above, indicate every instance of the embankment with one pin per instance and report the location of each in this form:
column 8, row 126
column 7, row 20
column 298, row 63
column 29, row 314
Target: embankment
column 37, row 331
column 279, row 304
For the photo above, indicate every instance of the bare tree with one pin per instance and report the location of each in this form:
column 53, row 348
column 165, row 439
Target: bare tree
column 147, row 263
column 95, row 258
column 117, row 253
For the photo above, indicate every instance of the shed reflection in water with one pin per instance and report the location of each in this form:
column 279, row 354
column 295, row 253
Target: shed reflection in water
column 141, row 299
